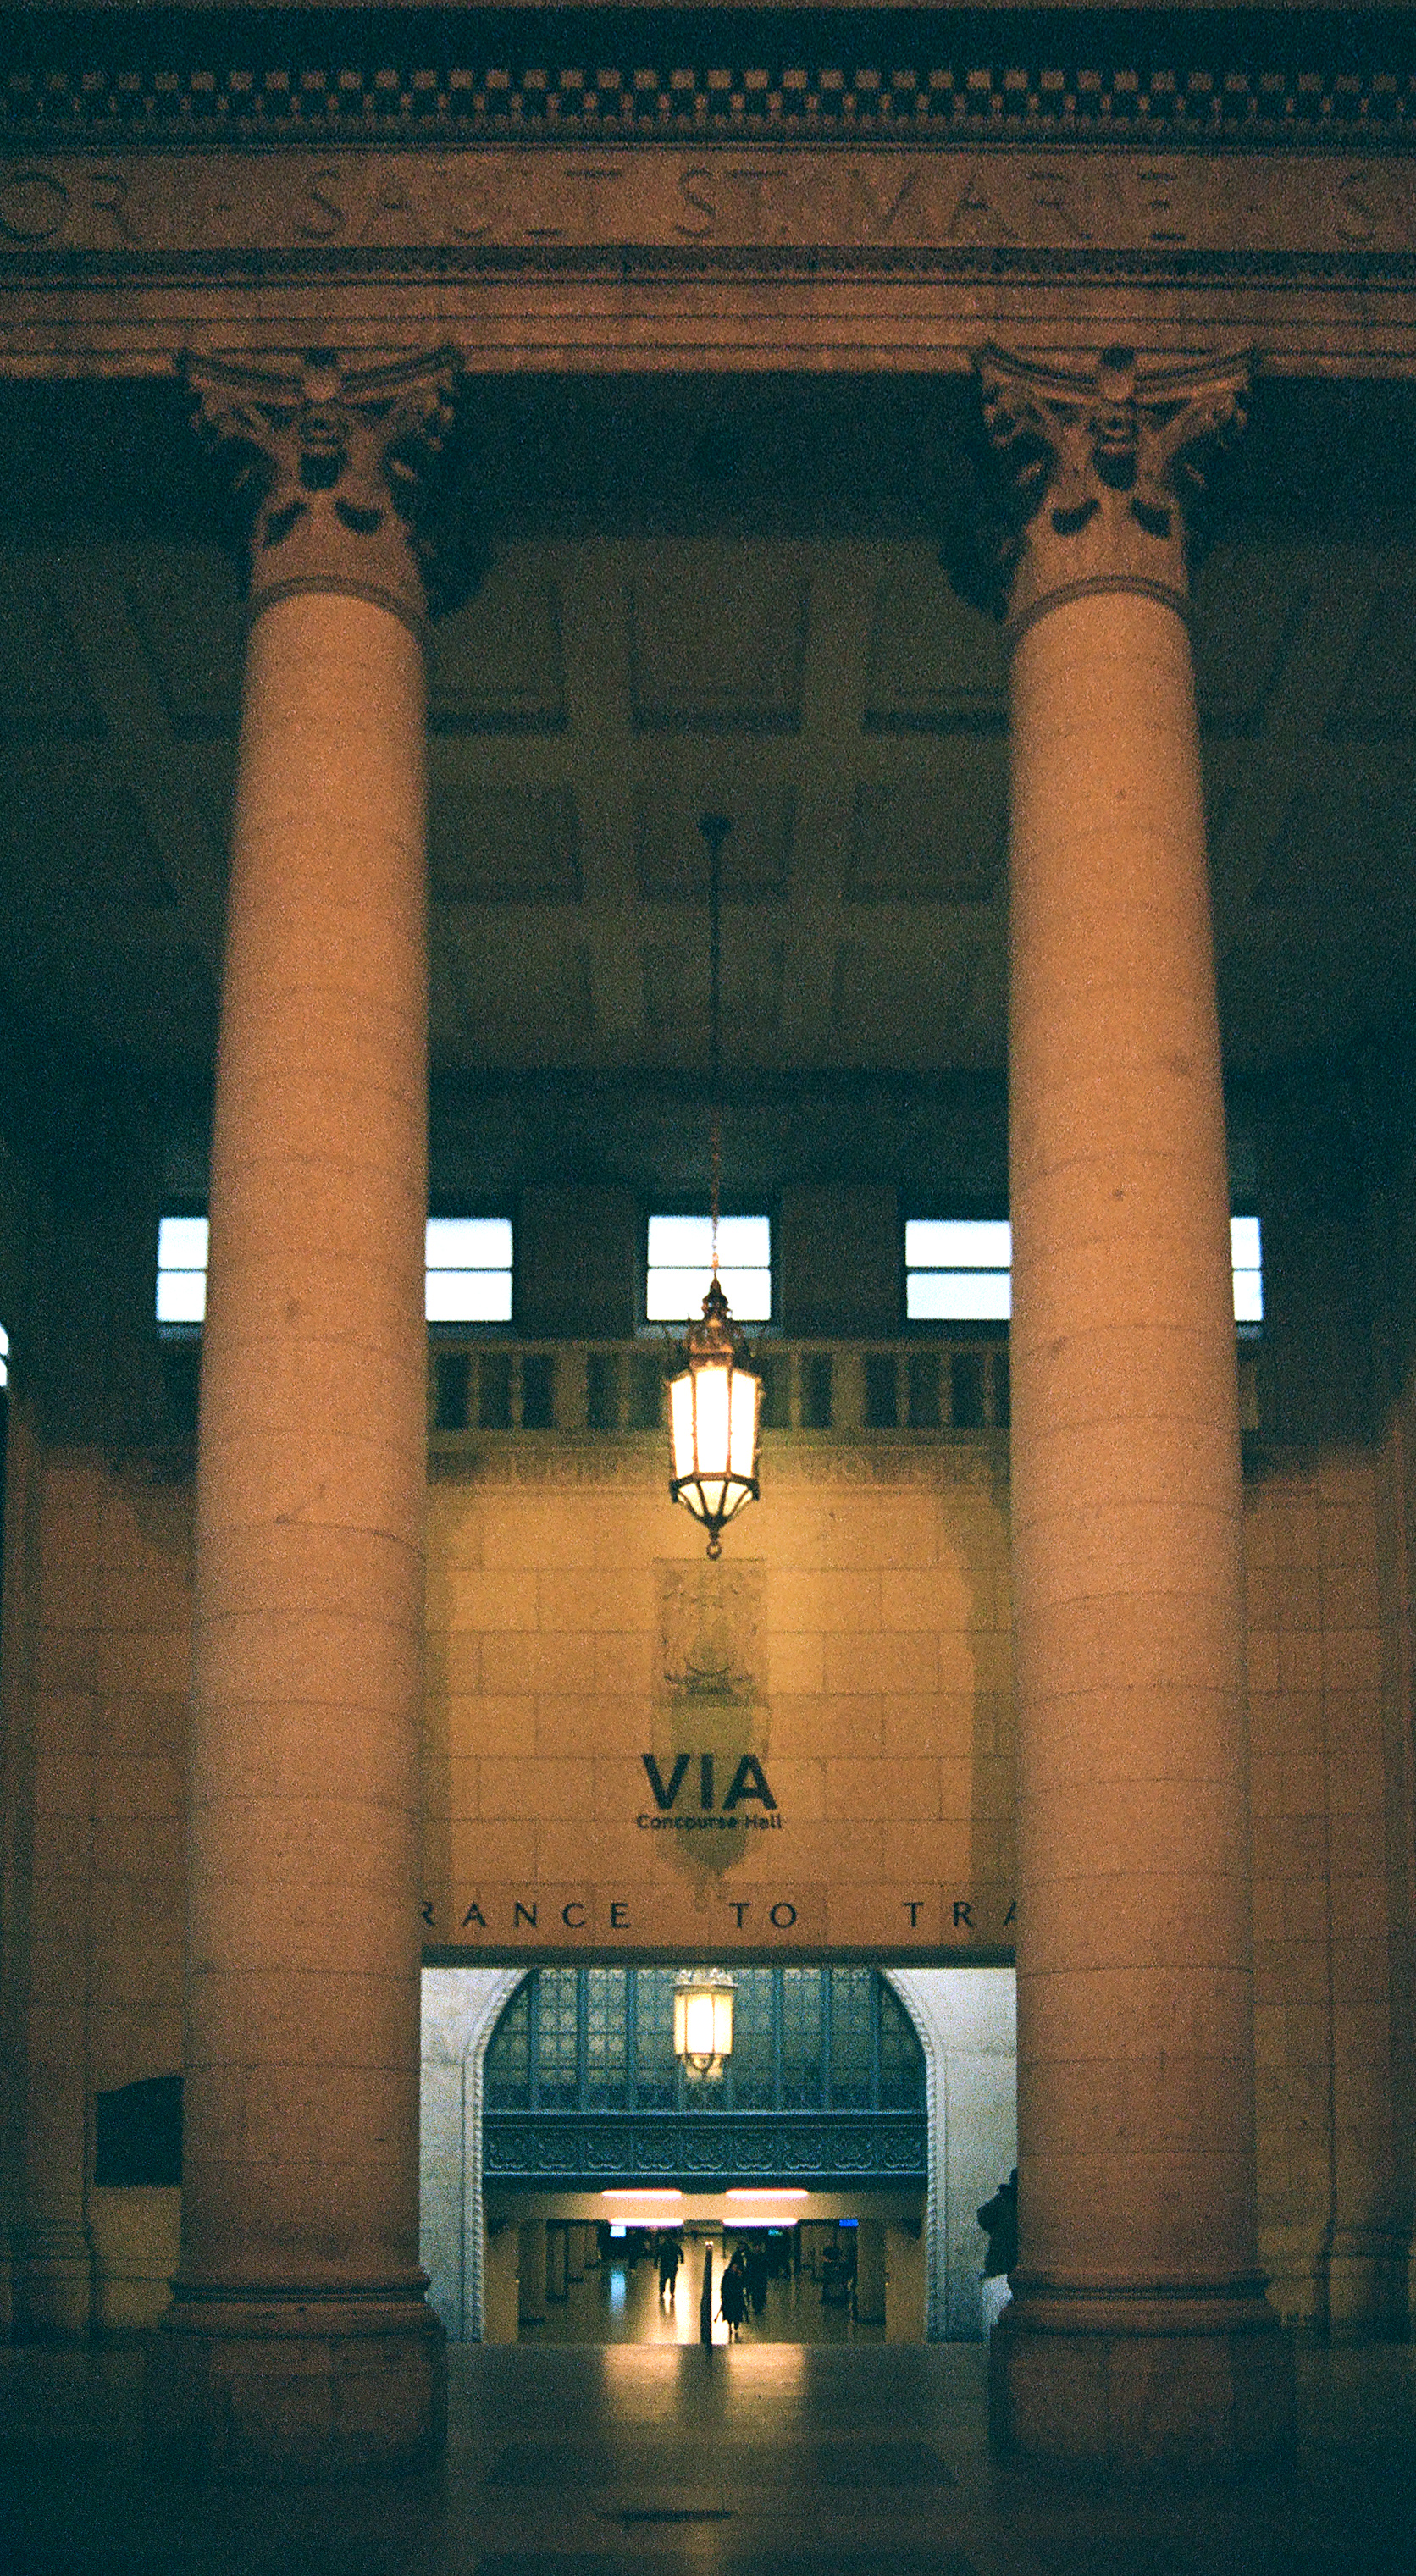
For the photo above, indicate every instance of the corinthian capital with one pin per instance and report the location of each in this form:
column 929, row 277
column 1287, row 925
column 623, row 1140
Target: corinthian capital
column 332, row 463
column 1099, row 477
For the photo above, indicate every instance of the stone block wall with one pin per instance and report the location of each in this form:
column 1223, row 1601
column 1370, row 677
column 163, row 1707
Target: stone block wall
column 1329, row 1739
column 882, row 1726
column 98, row 1608
column 862, row 1611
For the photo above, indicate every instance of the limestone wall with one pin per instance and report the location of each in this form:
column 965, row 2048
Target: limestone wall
column 826, row 1713
column 868, row 1607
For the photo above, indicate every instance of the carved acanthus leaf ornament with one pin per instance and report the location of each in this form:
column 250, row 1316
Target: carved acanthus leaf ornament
column 1098, row 477
column 333, row 467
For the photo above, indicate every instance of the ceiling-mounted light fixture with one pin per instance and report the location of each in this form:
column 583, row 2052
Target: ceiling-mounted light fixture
column 715, row 1401
column 703, row 2023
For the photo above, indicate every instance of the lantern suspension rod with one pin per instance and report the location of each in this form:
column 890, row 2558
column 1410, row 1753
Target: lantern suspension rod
column 715, row 829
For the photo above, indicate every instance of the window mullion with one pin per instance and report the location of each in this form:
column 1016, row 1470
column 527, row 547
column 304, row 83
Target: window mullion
column 582, row 2039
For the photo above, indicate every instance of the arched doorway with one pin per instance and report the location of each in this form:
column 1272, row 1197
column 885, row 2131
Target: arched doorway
column 954, row 2138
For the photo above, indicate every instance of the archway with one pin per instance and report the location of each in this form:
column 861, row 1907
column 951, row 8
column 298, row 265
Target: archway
column 963, row 2019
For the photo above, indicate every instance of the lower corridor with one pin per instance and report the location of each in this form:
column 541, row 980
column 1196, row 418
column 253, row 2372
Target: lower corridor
column 620, row 2302
column 767, row 2460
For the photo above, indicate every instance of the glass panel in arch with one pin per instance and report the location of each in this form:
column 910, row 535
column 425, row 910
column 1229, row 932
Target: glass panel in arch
column 555, row 2039
column 654, row 2063
column 801, row 2039
column 606, row 2039
column 754, row 2079
column 901, row 2057
column 506, row 2068
column 850, row 2038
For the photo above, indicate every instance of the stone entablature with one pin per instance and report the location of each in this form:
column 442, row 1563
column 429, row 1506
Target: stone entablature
column 140, row 208
column 1289, row 78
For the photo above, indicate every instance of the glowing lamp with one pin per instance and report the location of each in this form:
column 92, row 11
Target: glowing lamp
column 703, row 2023
column 713, row 1410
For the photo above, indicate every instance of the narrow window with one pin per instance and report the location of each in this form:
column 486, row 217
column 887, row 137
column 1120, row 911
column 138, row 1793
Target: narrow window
column 181, row 1269
column 469, row 1270
column 958, row 1270
column 1247, row 1255
column 681, row 1265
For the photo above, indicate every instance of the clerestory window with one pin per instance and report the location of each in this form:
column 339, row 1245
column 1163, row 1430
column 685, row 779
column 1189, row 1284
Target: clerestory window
column 681, row 1265
column 959, row 1270
column 804, row 2039
column 468, row 1270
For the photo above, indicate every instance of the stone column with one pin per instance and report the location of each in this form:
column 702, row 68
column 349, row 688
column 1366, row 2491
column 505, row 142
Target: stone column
column 1138, row 2328
column 298, row 2330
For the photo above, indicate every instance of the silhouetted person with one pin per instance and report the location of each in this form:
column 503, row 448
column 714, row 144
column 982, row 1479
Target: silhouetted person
column 999, row 2220
column 755, row 2274
column 670, row 2257
column 835, row 2279
column 732, row 2298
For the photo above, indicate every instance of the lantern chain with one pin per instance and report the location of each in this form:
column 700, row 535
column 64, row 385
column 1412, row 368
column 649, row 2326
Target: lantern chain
column 715, row 829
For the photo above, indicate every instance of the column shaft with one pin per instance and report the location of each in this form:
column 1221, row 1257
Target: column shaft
column 1134, row 2001
column 300, row 2202
column 1137, row 2328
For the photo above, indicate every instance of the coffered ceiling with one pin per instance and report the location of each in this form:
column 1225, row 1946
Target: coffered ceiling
column 602, row 691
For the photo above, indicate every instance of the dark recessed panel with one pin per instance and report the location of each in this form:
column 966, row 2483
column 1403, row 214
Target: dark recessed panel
column 892, row 1008
column 1247, row 610
column 666, row 986
column 1345, row 841
column 190, row 620
column 44, row 690
column 936, row 666
column 502, row 844
column 497, row 665
column 523, row 996
column 676, row 993
column 1378, row 702
column 673, row 855
column 716, row 653
column 941, row 841
column 149, row 996
column 72, row 833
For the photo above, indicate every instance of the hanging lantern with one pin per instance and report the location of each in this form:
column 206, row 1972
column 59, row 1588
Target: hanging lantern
column 703, row 2023
column 713, row 1411
column 715, row 1401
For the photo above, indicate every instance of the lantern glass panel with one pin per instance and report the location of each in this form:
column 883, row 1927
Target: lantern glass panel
column 744, row 1422
column 699, row 2019
column 681, row 1423
column 713, row 1417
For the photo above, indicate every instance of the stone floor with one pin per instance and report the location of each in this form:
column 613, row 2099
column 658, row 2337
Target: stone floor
column 766, row 2460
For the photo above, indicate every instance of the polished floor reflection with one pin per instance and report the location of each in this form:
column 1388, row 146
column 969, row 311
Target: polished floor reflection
column 766, row 2460
column 619, row 2302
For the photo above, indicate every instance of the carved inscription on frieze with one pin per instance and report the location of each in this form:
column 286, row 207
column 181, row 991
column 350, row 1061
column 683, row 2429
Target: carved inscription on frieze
column 219, row 205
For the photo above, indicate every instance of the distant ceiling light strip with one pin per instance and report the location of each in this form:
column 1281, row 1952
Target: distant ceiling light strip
column 786, row 2191
column 641, row 2195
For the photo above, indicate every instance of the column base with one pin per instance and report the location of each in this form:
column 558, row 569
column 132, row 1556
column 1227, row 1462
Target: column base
column 1367, row 2295
column 319, row 2384
column 1168, row 2382
column 51, row 2280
